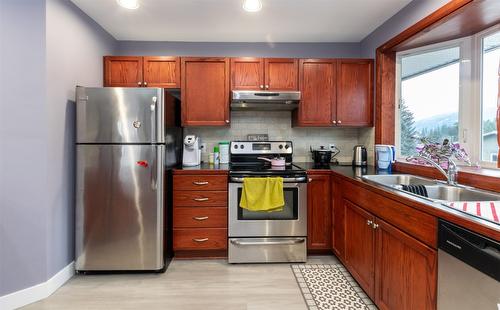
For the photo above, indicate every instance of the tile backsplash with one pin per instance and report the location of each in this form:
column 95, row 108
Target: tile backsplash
column 277, row 124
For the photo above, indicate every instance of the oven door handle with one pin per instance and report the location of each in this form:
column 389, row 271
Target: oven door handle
column 285, row 180
column 276, row 242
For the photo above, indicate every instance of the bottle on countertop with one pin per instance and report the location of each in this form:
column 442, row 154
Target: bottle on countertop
column 216, row 155
column 224, row 152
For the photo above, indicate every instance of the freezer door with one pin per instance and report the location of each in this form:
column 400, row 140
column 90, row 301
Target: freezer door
column 119, row 207
column 119, row 115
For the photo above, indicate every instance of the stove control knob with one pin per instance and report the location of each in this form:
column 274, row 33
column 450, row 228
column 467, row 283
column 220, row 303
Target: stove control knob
column 287, row 146
column 236, row 146
column 281, row 146
column 242, row 146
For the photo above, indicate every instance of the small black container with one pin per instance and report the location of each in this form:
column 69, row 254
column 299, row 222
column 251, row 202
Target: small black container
column 323, row 156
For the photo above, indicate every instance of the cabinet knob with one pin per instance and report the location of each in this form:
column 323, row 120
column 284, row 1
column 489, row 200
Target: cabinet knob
column 340, row 122
column 369, row 222
column 375, row 225
column 139, row 83
column 335, row 122
column 310, row 180
column 261, row 86
column 145, row 83
column 267, row 86
column 227, row 121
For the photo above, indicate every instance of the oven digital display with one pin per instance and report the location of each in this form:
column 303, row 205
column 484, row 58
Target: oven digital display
column 261, row 147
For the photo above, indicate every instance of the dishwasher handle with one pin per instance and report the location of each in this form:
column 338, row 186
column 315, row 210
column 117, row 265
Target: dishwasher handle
column 473, row 249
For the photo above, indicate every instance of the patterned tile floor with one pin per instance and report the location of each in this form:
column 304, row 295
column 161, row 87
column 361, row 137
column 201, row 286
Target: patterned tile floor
column 330, row 287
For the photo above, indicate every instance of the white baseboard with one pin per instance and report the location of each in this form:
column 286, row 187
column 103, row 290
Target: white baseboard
column 37, row 292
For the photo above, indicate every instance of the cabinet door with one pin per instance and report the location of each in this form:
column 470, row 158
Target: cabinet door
column 205, row 91
column 122, row 71
column 359, row 246
column 281, row 74
column 405, row 272
column 162, row 71
column 355, row 92
column 317, row 86
column 338, row 229
column 247, row 73
column 319, row 213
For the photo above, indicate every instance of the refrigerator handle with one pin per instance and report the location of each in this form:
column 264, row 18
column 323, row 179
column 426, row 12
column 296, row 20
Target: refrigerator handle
column 154, row 172
column 153, row 118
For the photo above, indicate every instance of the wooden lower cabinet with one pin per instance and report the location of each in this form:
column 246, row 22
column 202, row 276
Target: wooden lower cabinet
column 319, row 213
column 396, row 270
column 359, row 246
column 199, row 215
column 338, row 220
column 405, row 270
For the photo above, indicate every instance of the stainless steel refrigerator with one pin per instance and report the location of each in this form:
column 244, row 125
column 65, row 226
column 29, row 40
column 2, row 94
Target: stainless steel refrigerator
column 127, row 140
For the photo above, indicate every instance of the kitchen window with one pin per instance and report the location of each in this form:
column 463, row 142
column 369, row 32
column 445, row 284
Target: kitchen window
column 450, row 90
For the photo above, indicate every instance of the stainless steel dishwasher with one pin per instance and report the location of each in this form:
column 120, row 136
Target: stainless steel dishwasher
column 469, row 270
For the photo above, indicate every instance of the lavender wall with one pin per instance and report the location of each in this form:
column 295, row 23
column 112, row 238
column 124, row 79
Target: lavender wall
column 409, row 15
column 23, row 156
column 46, row 48
column 75, row 46
column 306, row 50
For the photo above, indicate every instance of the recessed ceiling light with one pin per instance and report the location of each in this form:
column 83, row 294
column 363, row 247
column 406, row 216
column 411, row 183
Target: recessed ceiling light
column 252, row 5
column 129, row 4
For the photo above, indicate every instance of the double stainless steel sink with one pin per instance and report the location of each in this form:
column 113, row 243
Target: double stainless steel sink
column 437, row 191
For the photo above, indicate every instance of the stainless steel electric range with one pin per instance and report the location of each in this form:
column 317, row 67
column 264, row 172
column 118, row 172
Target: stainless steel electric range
column 261, row 237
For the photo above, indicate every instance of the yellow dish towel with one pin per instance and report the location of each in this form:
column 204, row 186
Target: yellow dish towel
column 262, row 194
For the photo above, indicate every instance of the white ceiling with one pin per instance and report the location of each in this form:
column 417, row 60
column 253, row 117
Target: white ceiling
column 226, row 21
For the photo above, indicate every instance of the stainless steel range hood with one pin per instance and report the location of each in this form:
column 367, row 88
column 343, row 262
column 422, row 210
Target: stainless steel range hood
column 264, row 100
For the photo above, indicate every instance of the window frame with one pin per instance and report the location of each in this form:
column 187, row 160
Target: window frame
column 470, row 94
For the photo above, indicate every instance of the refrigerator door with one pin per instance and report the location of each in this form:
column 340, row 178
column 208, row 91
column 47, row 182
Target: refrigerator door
column 119, row 207
column 119, row 115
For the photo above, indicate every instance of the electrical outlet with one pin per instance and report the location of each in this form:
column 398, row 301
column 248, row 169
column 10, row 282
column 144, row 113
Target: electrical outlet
column 203, row 147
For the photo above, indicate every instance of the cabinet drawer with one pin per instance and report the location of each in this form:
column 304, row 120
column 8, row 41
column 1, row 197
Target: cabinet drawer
column 200, row 182
column 200, row 198
column 200, row 239
column 200, row 217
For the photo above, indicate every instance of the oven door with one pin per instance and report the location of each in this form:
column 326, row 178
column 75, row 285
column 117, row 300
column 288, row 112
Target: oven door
column 290, row 222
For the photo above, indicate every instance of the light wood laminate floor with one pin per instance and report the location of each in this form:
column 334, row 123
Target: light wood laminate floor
column 186, row 285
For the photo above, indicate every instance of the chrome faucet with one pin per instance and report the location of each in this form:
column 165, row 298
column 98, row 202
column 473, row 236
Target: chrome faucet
column 433, row 153
column 450, row 173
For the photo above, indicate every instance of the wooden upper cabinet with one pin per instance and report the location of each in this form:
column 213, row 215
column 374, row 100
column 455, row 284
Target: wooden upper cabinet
column 162, row 71
column 319, row 213
column 122, row 71
column 247, row 73
column 405, row 272
column 251, row 73
column 205, row 91
column 355, row 92
column 281, row 74
column 360, row 246
column 317, row 84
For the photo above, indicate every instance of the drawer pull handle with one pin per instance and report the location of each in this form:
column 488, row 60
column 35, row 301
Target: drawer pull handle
column 200, row 183
column 200, row 199
column 200, row 218
column 200, row 239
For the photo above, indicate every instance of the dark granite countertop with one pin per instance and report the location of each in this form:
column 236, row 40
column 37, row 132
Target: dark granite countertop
column 437, row 209
column 204, row 168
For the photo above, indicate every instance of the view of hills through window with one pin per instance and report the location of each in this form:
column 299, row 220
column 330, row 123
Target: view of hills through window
column 489, row 96
column 429, row 104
